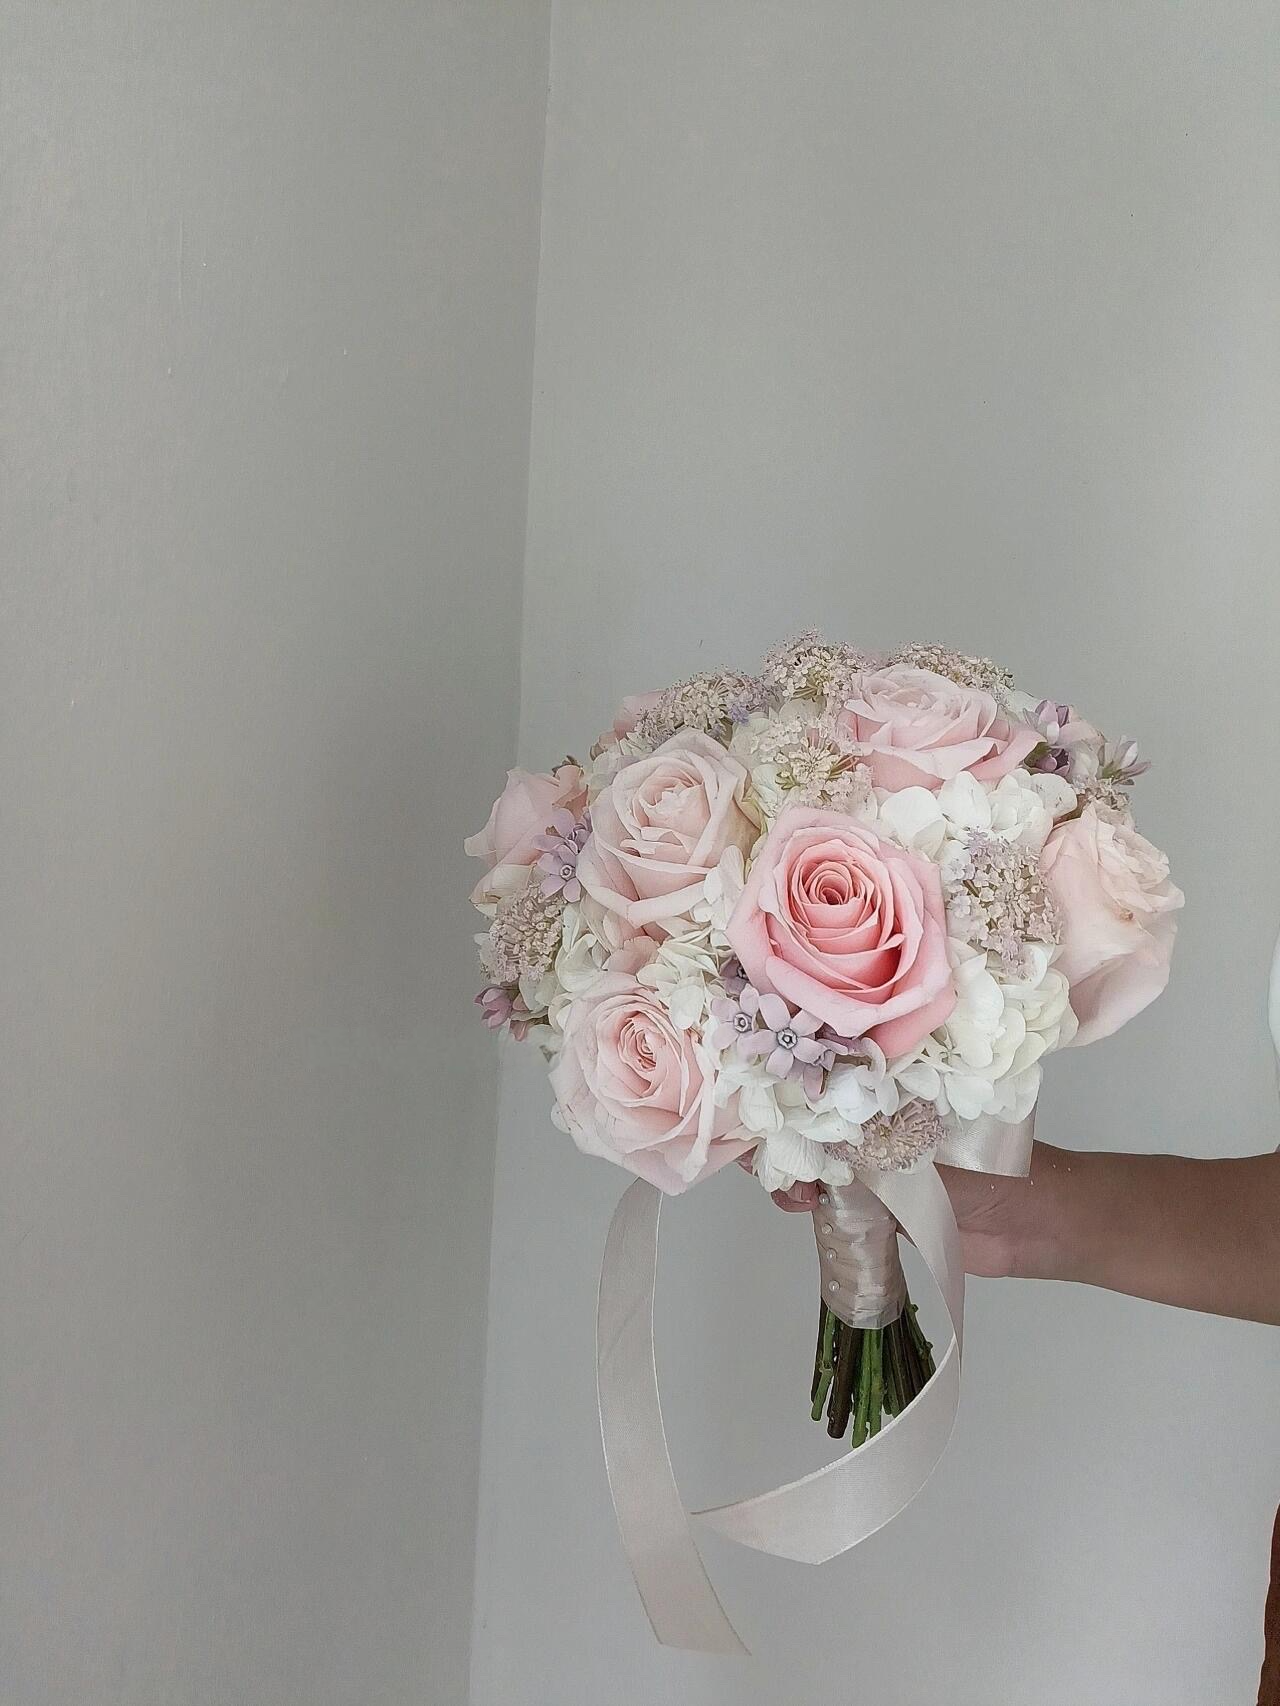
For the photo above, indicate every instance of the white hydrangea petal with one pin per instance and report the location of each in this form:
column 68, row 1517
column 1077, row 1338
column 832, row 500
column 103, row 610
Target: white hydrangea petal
column 913, row 818
column 1021, row 1092
column 687, row 1005
column 1018, row 814
column 758, row 1107
column 788, row 1157
column 963, row 801
column 969, row 1097
column 919, row 1078
column 888, row 1096
column 1057, row 795
column 1033, row 1045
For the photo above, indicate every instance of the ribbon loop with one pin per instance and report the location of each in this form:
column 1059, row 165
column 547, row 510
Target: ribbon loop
column 822, row 1514
column 681, row 1603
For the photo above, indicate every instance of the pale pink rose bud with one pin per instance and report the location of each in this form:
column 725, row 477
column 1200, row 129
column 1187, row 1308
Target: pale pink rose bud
column 916, row 729
column 1117, row 906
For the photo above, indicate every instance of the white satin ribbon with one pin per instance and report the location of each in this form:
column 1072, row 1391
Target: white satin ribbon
column 820, row 1515
column 862, row 1279
column 682, row 1604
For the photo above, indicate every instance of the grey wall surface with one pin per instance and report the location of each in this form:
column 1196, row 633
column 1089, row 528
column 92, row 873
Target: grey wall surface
column 266, row 316
column 940, row 322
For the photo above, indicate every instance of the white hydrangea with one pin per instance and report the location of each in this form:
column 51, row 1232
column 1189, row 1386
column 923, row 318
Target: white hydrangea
column 720, row 891
column 1020, row 808
column 987, row 1054
column 788, row 1157
column 796, row 1139
column 577, row 965
column 684, row 976
column 867, row 1084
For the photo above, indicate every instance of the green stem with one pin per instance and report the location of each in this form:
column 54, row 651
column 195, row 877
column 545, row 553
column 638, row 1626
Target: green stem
column 912, row 1366
column 875, row 1408
column 826, row 1363
column 863, row 1406
column 898, row 1385
column 848, row 1351
column 817, row 1351
column 923, row 1349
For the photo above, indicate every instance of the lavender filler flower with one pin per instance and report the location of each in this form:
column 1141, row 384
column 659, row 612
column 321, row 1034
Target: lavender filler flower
column 501, row 1006
column 564, row 840
column 755, row 1025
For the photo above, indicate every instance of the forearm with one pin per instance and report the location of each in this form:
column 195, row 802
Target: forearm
column 1199, row 1234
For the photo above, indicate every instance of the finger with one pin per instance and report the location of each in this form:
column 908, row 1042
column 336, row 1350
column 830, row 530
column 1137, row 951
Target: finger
column 800, row 1199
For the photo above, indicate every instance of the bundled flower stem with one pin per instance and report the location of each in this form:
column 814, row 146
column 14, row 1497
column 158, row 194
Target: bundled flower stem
column 872, row 1358
column 862, row 1374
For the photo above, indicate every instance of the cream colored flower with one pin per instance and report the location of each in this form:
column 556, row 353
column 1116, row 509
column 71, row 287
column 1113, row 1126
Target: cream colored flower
column 678, row 974
column 720, row 893
column 797, row 1140
column 580, row 961
column 988, row 1053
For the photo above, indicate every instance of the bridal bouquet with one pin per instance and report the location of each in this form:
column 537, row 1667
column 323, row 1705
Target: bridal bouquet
column 824, row 921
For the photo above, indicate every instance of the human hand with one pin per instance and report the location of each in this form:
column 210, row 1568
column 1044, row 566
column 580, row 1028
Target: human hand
column 990, row 1211
column 998, row 1231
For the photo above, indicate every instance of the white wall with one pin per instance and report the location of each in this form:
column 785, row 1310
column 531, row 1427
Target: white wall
column 915, row 321
column 266, row 309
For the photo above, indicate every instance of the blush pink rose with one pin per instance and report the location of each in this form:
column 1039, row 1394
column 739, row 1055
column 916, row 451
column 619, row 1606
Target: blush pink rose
column 918, row 730
column 521, row 813
column 847, row 926
column 630, row 711
column 631, row 1087
column 1117, row 906
column 660, row 827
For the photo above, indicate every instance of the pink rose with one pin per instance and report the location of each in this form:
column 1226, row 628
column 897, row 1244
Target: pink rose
column 846, row 926
column 1117, row 904
column 523, row 811
column 918, row 730
column 631, row 1087
column 660, row 827
column 630, row 711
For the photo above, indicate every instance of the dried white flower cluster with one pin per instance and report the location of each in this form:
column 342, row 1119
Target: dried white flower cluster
column 808, row 667
column 525, row 935
column 709, row 702
column 959, row 667
column 997, row 899
column 803, row 760
column 893, row 1142
column 1108, row 796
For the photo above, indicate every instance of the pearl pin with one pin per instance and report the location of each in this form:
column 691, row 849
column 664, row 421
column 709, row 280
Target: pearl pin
column 833, row 1285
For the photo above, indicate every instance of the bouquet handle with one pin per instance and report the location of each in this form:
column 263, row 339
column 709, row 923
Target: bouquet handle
column 863, row 1284
column 871, row 1360
column 808, row 1520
